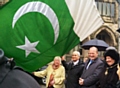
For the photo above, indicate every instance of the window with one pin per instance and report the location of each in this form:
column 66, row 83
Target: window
column 106, row 8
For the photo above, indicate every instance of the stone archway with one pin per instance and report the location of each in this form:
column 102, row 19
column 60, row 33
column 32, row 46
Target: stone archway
column 107, row 35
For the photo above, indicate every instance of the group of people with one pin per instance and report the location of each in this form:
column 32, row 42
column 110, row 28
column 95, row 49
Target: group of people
column 94, row 73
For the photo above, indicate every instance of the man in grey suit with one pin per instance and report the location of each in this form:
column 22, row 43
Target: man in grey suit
column 92, row 70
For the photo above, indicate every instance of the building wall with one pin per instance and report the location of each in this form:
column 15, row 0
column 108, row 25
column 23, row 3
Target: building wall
column 2, row 2
column 106, row 32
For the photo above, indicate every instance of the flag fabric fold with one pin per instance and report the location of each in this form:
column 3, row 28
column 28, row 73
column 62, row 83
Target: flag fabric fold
column 33, row 32
column 86, row 17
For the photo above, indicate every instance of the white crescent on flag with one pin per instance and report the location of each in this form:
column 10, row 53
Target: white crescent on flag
column 37, row 6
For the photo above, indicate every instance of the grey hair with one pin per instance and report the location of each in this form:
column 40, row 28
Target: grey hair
column 111, row 48
column 76, row 52
column 57, row 58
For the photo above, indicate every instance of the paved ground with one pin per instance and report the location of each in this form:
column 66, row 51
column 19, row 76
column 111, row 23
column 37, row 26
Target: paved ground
column 43, row 86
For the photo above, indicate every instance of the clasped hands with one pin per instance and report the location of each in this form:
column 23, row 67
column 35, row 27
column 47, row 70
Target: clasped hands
column 81, row 81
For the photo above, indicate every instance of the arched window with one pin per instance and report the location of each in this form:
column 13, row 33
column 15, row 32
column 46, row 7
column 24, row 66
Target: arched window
column 103, row 35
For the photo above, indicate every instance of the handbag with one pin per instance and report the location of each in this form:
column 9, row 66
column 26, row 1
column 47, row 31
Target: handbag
column 118, row 71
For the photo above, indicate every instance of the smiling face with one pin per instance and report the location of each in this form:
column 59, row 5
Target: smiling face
column 93, row 53
column 75, row 56
column 111, row 57
column 57, row 61
column 109, row 60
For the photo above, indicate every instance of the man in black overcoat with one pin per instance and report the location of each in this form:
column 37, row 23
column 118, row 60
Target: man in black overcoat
column 74, row 70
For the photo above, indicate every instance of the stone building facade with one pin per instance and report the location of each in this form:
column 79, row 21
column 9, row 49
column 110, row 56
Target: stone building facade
column 2, row 2
column 107, row 32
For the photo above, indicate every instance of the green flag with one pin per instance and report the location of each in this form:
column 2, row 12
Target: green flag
column 33, row 32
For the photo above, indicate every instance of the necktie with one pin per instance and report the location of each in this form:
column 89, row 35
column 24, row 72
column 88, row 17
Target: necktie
column 89, row 64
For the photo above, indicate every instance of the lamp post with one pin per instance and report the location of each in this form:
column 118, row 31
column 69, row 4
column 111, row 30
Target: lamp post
column 118, row 24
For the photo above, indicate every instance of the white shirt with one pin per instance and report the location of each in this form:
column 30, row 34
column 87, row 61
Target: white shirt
column 76, row 62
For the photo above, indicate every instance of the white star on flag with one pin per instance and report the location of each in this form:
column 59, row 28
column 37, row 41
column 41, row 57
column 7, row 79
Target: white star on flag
column 29, row 47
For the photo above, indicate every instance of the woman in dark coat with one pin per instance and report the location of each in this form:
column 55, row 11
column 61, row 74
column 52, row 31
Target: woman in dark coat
column 109, row 76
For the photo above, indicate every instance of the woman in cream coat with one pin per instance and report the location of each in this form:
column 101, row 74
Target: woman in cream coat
column 55, row 74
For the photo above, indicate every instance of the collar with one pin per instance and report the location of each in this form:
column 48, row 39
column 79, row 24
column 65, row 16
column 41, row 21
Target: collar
column 93, row 60
column 76, row 62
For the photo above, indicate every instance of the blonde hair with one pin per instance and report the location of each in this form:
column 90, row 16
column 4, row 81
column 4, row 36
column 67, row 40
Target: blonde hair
column 57, row 58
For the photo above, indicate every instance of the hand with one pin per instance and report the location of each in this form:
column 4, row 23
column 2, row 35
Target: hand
column 32, row 73
column 63, row 58
column 81, row 81
column 52, row 82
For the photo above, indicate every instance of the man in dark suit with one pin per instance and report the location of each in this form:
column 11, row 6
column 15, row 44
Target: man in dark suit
column 92, row 70
column 14, row 77
column 74, row 70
